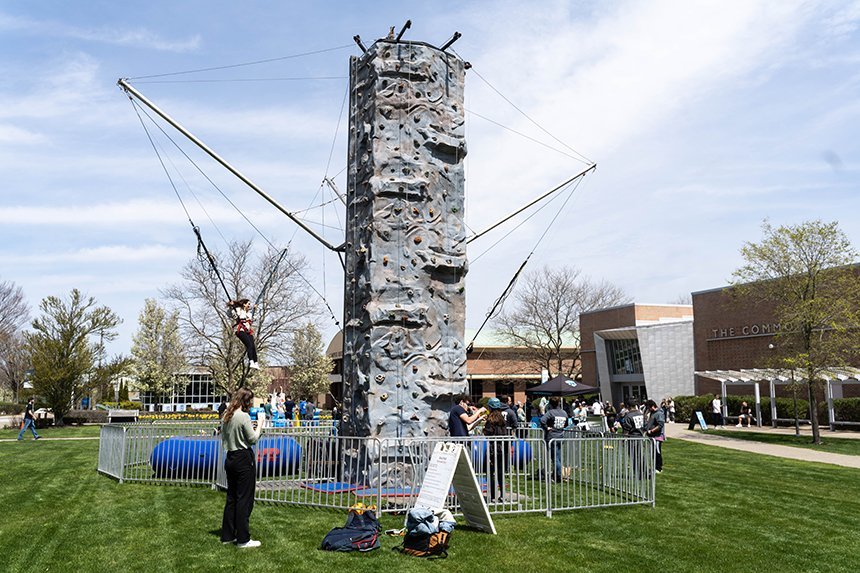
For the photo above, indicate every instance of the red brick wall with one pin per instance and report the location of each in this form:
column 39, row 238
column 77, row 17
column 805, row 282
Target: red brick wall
column 591, row 322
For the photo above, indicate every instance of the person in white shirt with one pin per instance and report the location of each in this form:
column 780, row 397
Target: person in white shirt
column 596, row 408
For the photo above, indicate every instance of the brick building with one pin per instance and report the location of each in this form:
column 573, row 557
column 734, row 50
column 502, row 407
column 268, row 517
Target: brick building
column 638, row 351
column 493, row 368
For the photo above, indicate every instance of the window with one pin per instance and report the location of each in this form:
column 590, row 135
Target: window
column 624, row 357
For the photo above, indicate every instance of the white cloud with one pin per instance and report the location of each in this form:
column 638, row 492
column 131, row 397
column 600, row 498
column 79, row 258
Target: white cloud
column 138, row 37
column 102, row 255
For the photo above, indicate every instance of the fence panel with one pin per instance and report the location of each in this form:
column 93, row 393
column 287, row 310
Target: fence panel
column 111, row 450
column 310, row 466
column 606, row 471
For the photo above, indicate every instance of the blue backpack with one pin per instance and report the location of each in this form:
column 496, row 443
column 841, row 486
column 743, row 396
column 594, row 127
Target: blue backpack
column 360, row 533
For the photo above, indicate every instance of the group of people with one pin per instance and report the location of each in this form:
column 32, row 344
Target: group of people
column 745, row 416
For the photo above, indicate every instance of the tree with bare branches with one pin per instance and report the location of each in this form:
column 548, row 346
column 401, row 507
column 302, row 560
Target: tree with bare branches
column 206, row 325
column 14, row 314
column 14, row 363
column 14, row 311
column 544, row 320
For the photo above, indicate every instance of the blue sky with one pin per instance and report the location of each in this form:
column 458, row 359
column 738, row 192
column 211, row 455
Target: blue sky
column 704, row 118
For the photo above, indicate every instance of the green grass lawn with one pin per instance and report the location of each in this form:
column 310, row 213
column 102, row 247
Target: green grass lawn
column 52, row 432
column 716, row 509
column 829, row 444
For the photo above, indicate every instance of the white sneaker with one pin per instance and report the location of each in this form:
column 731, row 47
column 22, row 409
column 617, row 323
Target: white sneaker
column 737, row 425
column 248, row 544
column 254, row 365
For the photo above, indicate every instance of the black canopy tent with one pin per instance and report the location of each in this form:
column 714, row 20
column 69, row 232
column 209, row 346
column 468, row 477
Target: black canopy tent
column 561, row 385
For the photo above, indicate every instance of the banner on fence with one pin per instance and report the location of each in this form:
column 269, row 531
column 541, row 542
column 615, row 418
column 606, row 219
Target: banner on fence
column 450, row 465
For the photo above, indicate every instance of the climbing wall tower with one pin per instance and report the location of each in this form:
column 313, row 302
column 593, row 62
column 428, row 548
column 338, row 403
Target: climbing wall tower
column 404, row 299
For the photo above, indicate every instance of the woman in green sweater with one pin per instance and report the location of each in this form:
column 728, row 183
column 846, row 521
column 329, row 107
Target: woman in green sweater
column 237, row 436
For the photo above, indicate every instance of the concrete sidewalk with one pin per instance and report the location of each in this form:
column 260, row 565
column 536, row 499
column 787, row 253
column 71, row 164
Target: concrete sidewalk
column 680, row 432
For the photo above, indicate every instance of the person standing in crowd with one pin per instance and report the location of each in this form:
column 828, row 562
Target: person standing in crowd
column 497, row 450
column 289, row 406
column 462, row 418
column 717, row 412
column 244, row 317
column 632, row 421
column 29, row 420
column 510, row 413
column 521, row 414
column 221, row 407
column 237, row 436
column 597, row 408
column 656, row 429
column 310, row 409
column 671, row 403
column 609, row 412
column 553, row 423
column 267, row 408
column 542, row 405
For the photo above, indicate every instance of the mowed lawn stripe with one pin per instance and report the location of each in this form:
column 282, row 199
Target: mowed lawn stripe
column 716, row 509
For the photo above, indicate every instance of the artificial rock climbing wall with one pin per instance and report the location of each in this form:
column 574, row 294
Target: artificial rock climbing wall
column 405, row 257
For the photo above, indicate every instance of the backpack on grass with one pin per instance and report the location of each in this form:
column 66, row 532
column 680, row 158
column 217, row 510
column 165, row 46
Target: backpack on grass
column 428, row 533
column 360, row 533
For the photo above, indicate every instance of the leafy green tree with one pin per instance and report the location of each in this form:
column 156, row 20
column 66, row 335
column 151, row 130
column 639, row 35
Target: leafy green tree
column 123, row 392
column 309, row 366
column 157, row 351
column 807, row 273
column 62, row 348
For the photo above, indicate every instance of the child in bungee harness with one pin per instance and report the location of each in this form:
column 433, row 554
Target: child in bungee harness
column 244, row 316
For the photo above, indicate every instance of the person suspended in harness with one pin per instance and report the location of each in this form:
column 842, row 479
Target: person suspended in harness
column 244, row 316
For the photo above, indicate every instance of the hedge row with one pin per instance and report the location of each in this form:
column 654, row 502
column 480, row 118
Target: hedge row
column 847, row 409
column 85, row 417
column 11, row 408
column 123, row 405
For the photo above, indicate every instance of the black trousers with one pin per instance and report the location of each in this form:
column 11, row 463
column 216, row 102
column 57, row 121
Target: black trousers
column 250, row 347
column 241, row 483
column 498, row 464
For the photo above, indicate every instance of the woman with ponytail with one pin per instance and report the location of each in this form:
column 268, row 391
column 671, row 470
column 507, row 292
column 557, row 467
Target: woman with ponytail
column 237, row 436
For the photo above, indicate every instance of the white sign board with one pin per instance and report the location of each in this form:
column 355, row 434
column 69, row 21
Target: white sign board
column 450, row 465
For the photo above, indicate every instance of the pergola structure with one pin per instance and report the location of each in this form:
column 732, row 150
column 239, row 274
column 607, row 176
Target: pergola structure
column 775, row 376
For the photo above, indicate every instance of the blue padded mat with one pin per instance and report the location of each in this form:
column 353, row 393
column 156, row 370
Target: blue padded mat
column 333, row 487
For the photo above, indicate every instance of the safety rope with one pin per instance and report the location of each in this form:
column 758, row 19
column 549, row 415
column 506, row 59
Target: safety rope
column 298, row 273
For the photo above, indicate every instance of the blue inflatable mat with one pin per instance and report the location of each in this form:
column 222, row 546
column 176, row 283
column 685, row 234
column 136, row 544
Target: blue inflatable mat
column 386, row 491
column 333, row 487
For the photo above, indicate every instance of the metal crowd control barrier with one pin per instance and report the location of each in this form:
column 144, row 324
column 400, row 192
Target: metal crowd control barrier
column 310, row 466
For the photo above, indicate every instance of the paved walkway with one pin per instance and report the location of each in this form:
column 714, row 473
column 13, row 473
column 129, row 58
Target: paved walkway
column 680, row 432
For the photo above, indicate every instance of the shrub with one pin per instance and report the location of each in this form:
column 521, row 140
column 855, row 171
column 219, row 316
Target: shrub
column 847, row 409
column 85, row 417
column 192, row 415
column 11, row 408
column 123, row 405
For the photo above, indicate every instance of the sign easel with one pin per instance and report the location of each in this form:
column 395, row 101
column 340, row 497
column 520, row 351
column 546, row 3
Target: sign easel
column 450, row 465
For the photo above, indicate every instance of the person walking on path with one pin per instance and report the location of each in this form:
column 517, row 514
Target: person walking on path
column 656, row 429
column 237, row 437
column 29, row 421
